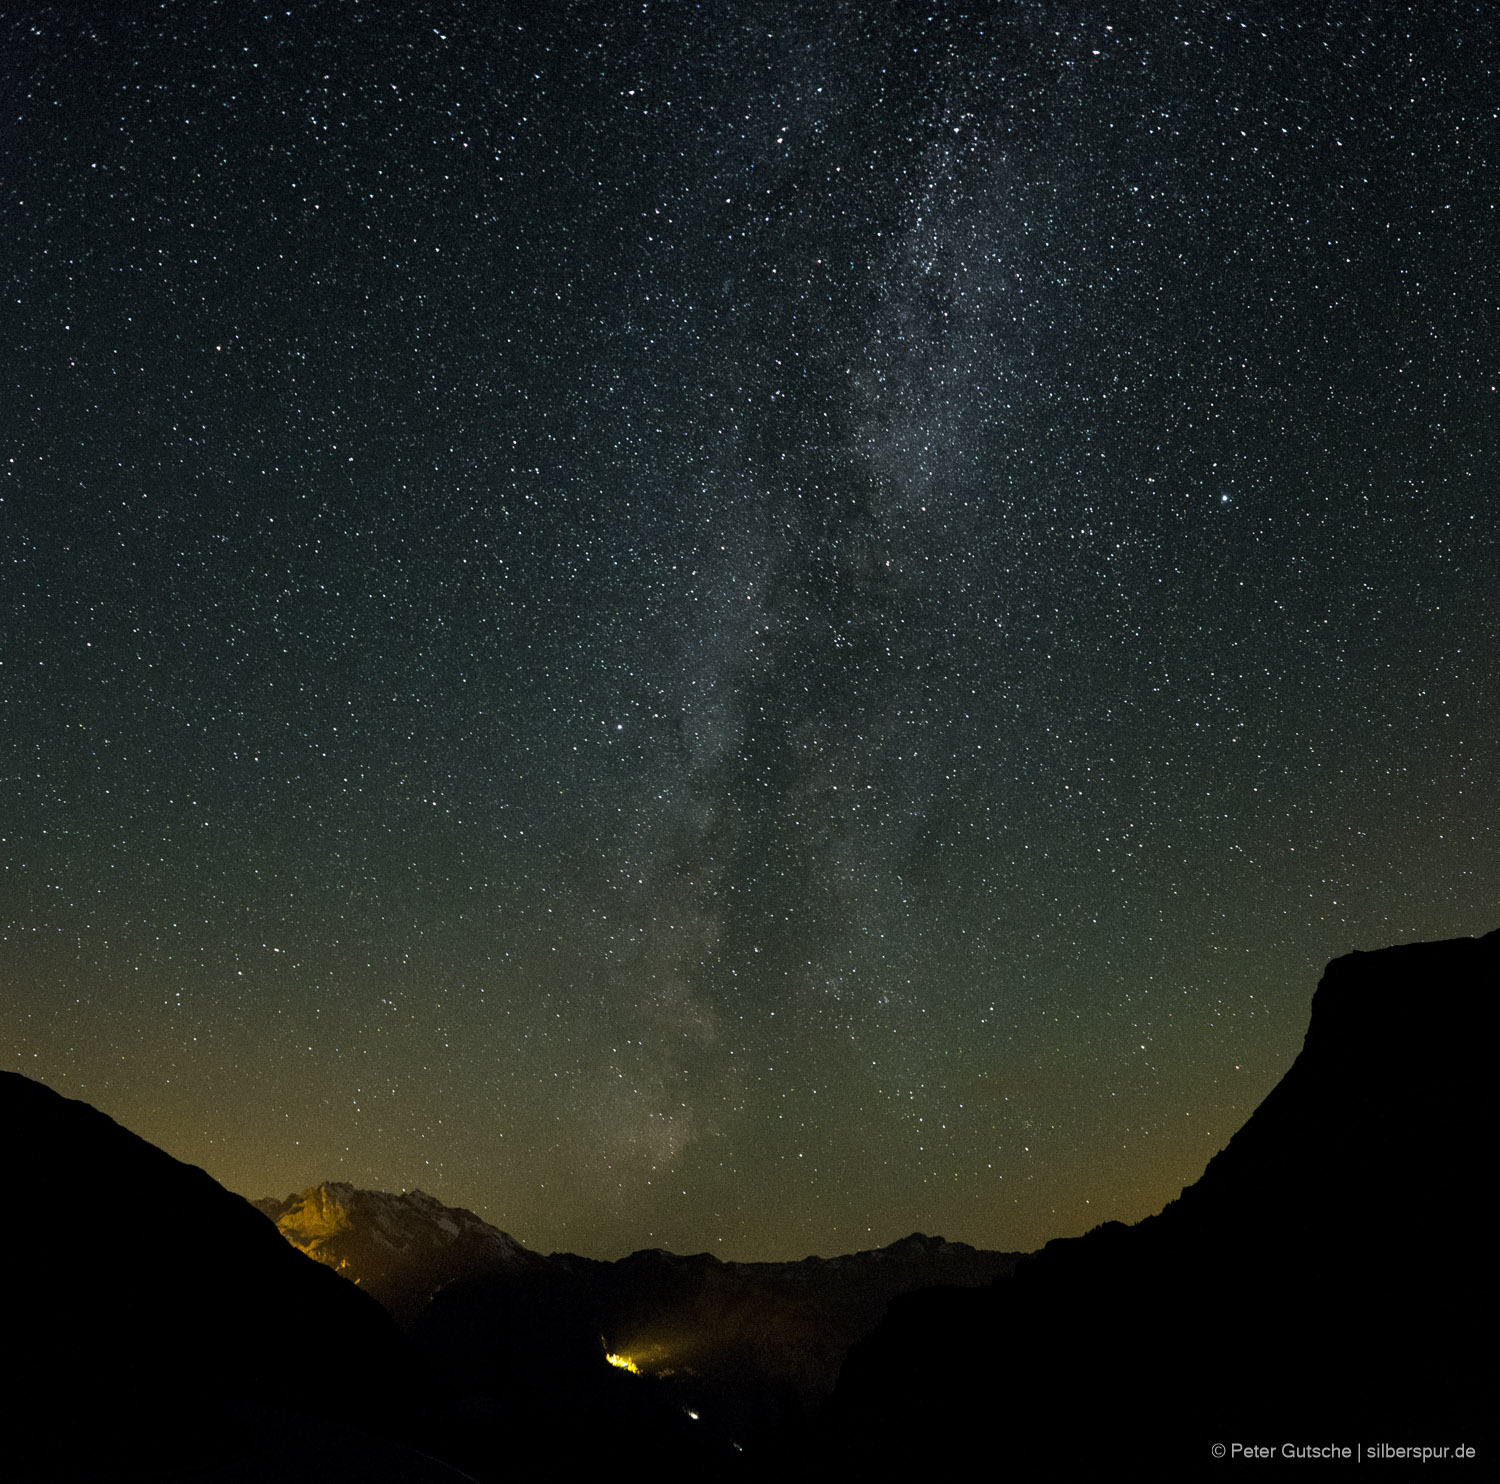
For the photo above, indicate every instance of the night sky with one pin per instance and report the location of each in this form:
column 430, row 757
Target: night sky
column 736, row 626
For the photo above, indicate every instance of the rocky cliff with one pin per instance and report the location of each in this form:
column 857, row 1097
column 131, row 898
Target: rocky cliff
column 400, row 1248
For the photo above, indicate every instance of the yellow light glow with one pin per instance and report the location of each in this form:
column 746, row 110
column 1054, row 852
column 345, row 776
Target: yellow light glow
column 625, row 1363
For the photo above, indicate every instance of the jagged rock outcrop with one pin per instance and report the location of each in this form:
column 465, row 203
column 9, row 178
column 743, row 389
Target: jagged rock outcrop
column 1326, row 1280
column 399, row 1248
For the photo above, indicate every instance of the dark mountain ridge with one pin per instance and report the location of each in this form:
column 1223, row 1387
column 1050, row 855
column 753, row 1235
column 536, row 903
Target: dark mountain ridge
column 760, row 1345
column 218, row 1355
column 749, row 1346
column 132, row 1357
column 1323, row 1281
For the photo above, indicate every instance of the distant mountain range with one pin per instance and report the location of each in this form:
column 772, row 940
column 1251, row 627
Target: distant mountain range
column 746, row 1345
column 1323, row 1285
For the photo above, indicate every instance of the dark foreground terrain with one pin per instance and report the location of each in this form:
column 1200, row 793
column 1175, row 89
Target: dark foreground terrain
column 1324, row 1284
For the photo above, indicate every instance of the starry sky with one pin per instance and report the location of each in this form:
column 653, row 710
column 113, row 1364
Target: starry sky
column 736, row 626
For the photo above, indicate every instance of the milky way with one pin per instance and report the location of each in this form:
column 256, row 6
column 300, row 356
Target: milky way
column 744, row 628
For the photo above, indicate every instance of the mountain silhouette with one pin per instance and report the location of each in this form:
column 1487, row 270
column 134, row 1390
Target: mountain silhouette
column 1321, row 1284
column 137, row 1357
column 751, row 1348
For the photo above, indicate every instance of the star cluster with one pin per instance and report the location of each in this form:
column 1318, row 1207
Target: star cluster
column 744, row 627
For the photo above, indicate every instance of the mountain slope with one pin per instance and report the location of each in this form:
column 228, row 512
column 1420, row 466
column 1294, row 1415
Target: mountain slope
column 750, row 1346
column 399, row 1248
column 1321, row 1281
column 136, row 1357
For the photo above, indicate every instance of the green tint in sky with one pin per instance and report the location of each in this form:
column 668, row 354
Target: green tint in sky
column 745, row 628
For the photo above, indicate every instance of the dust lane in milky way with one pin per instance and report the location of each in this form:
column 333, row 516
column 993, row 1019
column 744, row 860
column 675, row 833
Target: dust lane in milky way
column 744, row 629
